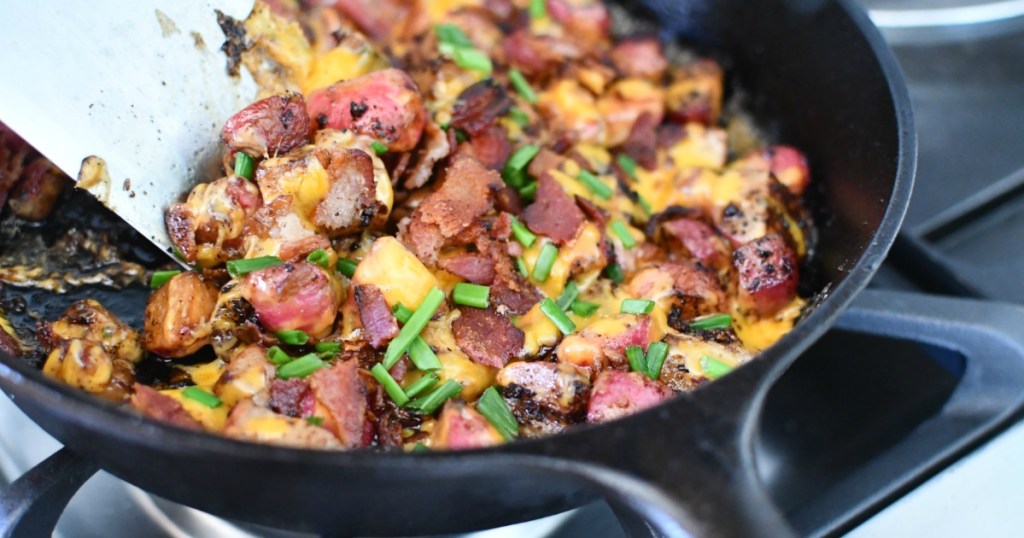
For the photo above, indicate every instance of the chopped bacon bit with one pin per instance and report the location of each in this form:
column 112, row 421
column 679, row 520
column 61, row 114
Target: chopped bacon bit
column 544, row 162
column 379, row 324
column 487, row 337
column 592, row 212
column 162, row 407
column 506, row 199
column 490, row 146
column 480, row 106
column 292, row 397
column 700, row 241
column 538, row 56
column 554, row 213
column 515, row 294
column 268, row 127
column 473, row 267
column 343, row 392
column 433, row 147
column 642, row 142
column 640, row 57
column 768, row 274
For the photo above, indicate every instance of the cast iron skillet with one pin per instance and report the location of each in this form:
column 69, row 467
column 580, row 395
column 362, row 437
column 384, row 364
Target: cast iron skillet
column 823, row 76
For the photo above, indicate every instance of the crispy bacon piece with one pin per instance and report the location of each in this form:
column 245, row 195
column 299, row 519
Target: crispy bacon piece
column 490, row 146
column 162, row 408
column 342, row 391
column 292, row 397
column 487, row 337
column 268, row 127
column 640, row 57
column 545, row 161
column 470, row 266
column 385, row 105
column 768, row 274
column 641, row 144
column 178, row 316
column 460, row 427
column 433, row 147
column 34, row 196
column 479, row 106
column 298, row 296
column 545, row 397
column 379, row 325
column 377, row 18
column 554, row 213
column 699, row 240
column 537, row 56
column 515, row 294
column 617, row 394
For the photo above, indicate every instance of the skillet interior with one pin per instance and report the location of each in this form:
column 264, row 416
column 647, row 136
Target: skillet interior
column 816, row 77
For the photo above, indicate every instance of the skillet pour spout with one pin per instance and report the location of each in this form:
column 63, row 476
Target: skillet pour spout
column 821, row 78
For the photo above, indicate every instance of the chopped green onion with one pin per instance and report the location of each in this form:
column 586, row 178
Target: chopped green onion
column 622, row 232
column 379, row 148
column 568, row 296
column 293, row 338
column 517, row 163
column 199, row 395
column 529, row 192
column 555, row 314
column 636, row 306
column 315, row 421
column 420, row 447
column 637, row 360
column 328, row 347
column 473, row 60
column 521, row 267
column 627, row 164
column 493, row 407
column 471, row 295
column 161, row 277
column 237, row 268
column 709, row 323
column 614, row 273
column 422, row 356
column 538, row 9
column 713, row 368
column 584, row 309
column 244, row 165
column 426, row 382
column 347, row 267
column 402, row 313
column 436, row 398
column 391, row 386
column 595, row 185
column 453, row 35
column 519, row 117
column 516, row 180
column 460, row 135
column 522, row 233
column 656, row 354
column 319, row 257
column 644, row 204
column 522, row 86
column 413, row 327
column 545, row 262
column 277, row 356
column 300, row 367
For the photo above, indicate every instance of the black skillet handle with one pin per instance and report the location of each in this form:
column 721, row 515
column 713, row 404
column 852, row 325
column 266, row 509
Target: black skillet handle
column 32, row 504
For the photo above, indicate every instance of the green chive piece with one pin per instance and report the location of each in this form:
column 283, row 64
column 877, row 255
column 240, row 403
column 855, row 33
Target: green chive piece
column 402, row 313
column 452, row 35
column 522, row 86
column 420, row 447
column 657, row 352
column 161, row 277
column 517, row 164
column 710, row 323
column 426, row 382
column 391, row 386
column 522, row 233
column 545, row 262
column 714, row 368
column 595, row 185
column 471, row 295
column 422, row 356
column 347, row 267
column 473, row 60
column 277, row 356
column 293, row 338
column 529, row 192
column 584, row 309
column 199, row 395
column 568, row 296
column 627, row 164
column 637, row 360
column 244, row 165
column 614, row 273
column 426, row 405
column 622, row 232
column 555, row 314
column 379, row 148
column 493, row 407
column 413, row 327
column 315, row 421
column 636, row 306
column 538, row 9
column 519, row 117
column 521, row 267
column 328, row 347
column 301, row 367
column 319, row 257
column 237, row 268
column 645, row 205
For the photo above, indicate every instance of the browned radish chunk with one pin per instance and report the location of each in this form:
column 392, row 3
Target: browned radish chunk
column 251, row 422
column 470, row 266
column 554, row 213
column 342, row 392
column 379, row 325
column 687, row 289
column 603, row 343
column 247, row 375
column 537, row 55
column 212, row 218
column 768, row 274
column 385, row 105
column 640, row 57
column 299, row 296
column 292, row 397
column 86, row 365
column 162, row 407
column 683, row 369
column 275, row 229
column 789, row 166
column 617, row 394
column 178, row 316
column 376, row 18
column 34, row 196
column 268, row 127
column 545, row 397
column 487, row 337
column 350, row 203
column 480, row 106
column 584, row 19
column 460, row 427
column 695, row 94
column 88, row 320
column 625, row 103
column 699, row 240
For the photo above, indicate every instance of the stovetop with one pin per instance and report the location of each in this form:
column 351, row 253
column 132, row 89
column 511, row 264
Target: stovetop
column 963, row 235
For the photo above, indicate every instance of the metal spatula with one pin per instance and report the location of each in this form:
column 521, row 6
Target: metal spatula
column 141, row 85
